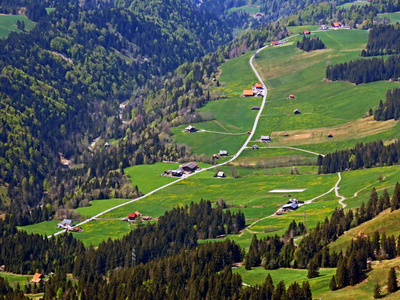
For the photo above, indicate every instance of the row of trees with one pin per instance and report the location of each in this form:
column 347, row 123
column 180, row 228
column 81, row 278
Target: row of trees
column 391, row 108
column 310, row 43
column 361, row 156
column 383, row 40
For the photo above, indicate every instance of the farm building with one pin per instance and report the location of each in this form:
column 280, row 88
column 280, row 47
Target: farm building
column 297, row 112
column 37, row 278
column 323, row 27
column 190, row 128
column 330, row 135
column 255, row 147
column 255, row 108
column 286, row 133
column 257, row 15
column 177, row 172
column 265, row 138
column 291, row 96
column 220, row 174
column 276, row 43
column 215, row 156
column 291, row 206
column 106, row 145
column 146, row 218
column 306, row 32
column 336, row 24
column 258, row 86
column 248, row 132
column 132, row 216
column 248, row 93
column 189, row 167
column 223, row 153
column 66, row 223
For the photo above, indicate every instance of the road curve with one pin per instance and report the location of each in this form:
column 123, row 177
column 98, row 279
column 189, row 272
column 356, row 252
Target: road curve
column 202, row 170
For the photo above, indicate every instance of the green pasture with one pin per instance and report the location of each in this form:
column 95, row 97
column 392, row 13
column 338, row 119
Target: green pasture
column 43, row 228
column 14, row 279
column 250, row 9
column 148, row 177
column 355, row 3
column 96, row 231
column 258, row 275
column 394, row 17
column 8, row 23
column 97, row 206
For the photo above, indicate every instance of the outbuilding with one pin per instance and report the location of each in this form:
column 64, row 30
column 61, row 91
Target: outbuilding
column 255, row 108
column 297, row 112
column 190, row 128
column 248, row 93
column 223, row 153
column 220, row 174
column 189, row 167
column 265, row 138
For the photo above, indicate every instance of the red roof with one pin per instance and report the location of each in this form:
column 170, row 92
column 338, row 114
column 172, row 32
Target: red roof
column 132, row 215
column 248, row 92
column 37, row 275
column 258, row 85
column 275, row 43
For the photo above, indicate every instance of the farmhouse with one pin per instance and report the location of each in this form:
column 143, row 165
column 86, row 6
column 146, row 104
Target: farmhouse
column 220, row 174
column 291, row 206
column 323, row 27
column 255, row 108
column 258, row 86
column 189, row 167
column 306, row 32
column 336, row 24
column 276, row 43
column 132, row 216
column 66, row 223
column 297, row 112
column 265, row 138
column 177, row 172
column 190, row 128
column 248, row 93
column 223, row 153
column 37, row 278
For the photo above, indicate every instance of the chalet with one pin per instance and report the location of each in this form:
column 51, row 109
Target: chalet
column 131, row 216
column 190, row 128
column 66, row 223
column 223, row 153
column 215, row 156
column 336, row 24
column 255, row 108
column 258, row 86
column 177, row 172
column 37, row 278
column 255, row 147
column 306, row 32
column 330, row 135
column 257, row 15
column 220, row 174
column 276, row 43
column 297, row 112
column 189, row 167
column 291, row 206
column 291, row 96
column 265, row 138
column 248, row 93
column 323, row 27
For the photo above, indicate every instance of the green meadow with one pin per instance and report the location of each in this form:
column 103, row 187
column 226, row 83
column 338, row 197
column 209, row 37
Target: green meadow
column 251, row 9
column 97, row 206
column 8, row 23
column 258, row 275
column 394, row 17
column 355, row 3
column 43, row 228
column 14, row 279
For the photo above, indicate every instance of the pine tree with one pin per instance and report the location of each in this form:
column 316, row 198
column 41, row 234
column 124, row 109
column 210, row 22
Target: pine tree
column 395, row 202
column 312, row 269
column 307, row 295
column 392, row 281
column 332, row 284
column 377, row 291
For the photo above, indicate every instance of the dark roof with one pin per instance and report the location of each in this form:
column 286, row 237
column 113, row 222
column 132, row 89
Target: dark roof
column 290, row 205
column 191, row 165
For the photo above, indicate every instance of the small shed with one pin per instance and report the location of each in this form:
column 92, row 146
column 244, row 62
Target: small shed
column 306, row 32
column 177, row 172
column 248, row 93
column 297, row 112
column 131, row 216
column 146, row 218
column 275, row 43
column 106, row 144
column 248, row 132
column 258, row 86
column 330, row 135
column 223, row 153
column 286, row 133
column 220, row 174
column 255, row 147
column 190, row 128
column 257, row 14
column 255, row 108
column 265, row 138
column 291, row 96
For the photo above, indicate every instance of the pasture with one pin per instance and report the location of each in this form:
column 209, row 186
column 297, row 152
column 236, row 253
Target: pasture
column 250, row 9
column 8, row 24
column 43, row 228
column 394, row 17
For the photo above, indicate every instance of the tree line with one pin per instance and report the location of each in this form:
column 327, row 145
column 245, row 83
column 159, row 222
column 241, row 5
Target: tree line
column 383, row 40
column 391, row 108
column 309, row 44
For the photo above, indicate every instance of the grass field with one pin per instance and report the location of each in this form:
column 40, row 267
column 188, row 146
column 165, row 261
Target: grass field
column 258, row 275
column 355, row 3
column 14, row 279
column 251, row 9
column 97, row 206
column 394, row 17
column 8, row 24
column 47, row 227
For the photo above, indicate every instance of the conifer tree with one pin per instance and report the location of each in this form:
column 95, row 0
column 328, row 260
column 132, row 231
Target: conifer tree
column 332, row 284
column 392, row 281
column 312, row 269
column 395, row 202
column 306, row 291
column 377, row 291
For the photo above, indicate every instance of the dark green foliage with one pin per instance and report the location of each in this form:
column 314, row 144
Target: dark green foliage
column 361, row 156
column 395, row 201
column 366, row 70
column 392, row 281
column 332, row 284
column 313, row 269
column 377, row 291
column 295, row 230
column 7, row 292
column 391, row 108
column 383, row 40
column 309, row 44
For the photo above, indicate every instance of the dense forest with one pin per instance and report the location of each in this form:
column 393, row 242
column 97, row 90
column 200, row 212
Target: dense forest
column 366, row 70
column 391, row 108
column 361, row 156
column 310, row 43
column 383, row 40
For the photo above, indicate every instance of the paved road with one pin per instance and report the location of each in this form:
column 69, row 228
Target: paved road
column 202, row 170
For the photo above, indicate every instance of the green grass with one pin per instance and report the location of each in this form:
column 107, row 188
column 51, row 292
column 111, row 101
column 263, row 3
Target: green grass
column 8, row 24
column 147, row 177
column 394, row 17
column 16, row 278
column 43, row 228
column 355, row 3
column 251, row 9
column 97, row 206
column 101, row 230
column 258, row 275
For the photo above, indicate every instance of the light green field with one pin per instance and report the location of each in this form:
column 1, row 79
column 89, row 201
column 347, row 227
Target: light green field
column 355, row 3
column 394, row 17
column 47, row 227
column 258, row 275
column 100, row 230
column 251, row 9
column 15, row 278
column 8, row 24
column 147, row 177
column 97, row 206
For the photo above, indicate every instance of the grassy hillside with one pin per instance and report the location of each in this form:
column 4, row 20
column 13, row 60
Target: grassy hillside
column 8, row 24
column 394, row 17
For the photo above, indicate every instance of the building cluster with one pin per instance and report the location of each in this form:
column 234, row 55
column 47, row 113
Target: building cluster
column 256, row 91
column 182, row 170
column 291, row 205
